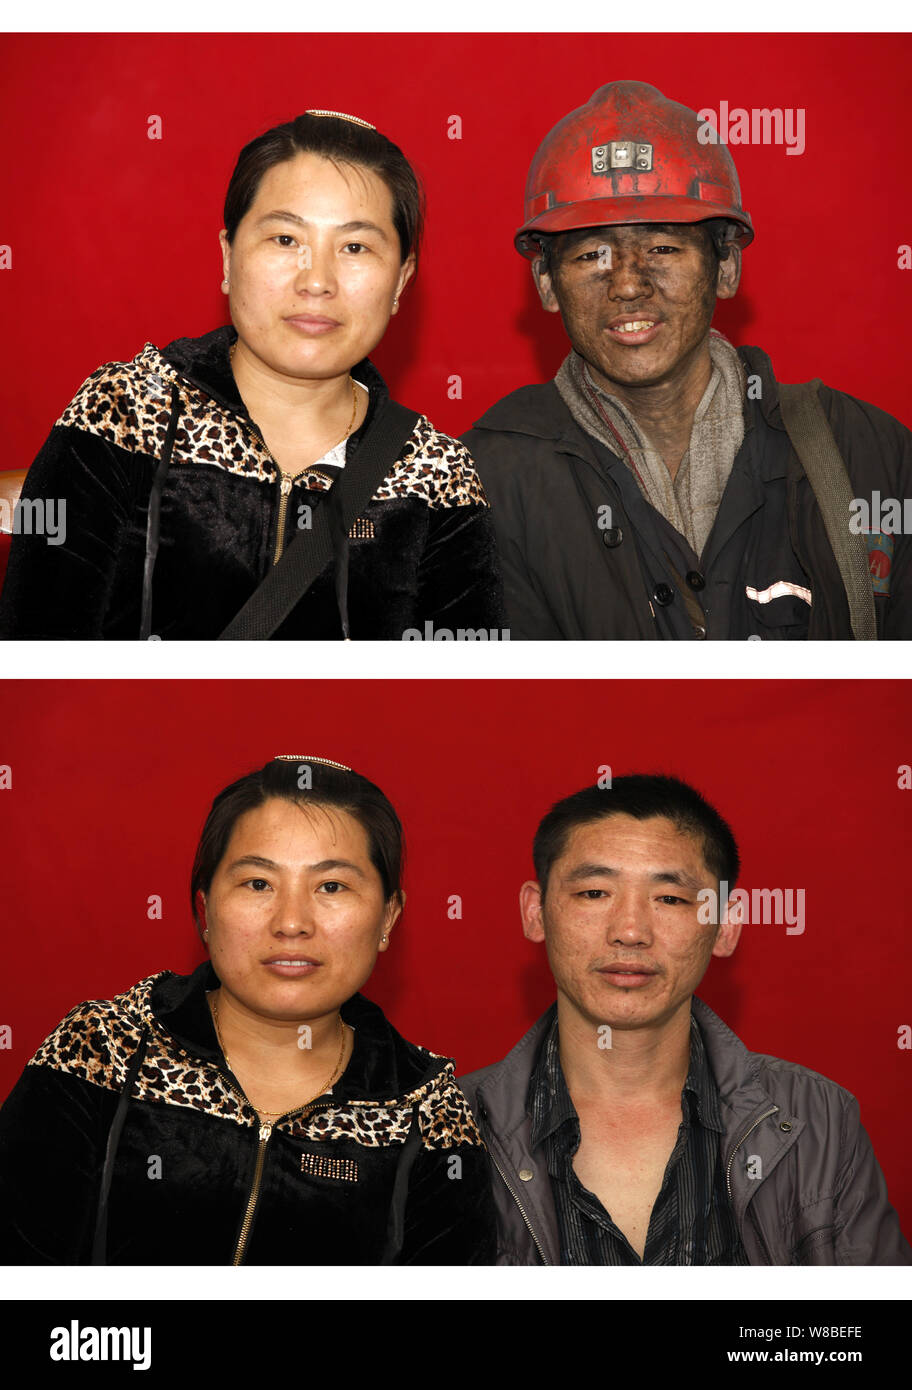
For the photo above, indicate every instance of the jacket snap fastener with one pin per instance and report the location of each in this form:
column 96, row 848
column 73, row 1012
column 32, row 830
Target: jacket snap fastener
column 786, row 1126
column 664, row 594
column 525, row 1174
column 613, row 536
column 695, row 579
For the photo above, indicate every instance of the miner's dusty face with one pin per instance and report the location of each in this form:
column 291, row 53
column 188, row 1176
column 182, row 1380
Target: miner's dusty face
column 637, row 300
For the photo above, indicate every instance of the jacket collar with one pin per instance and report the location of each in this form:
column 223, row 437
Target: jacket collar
column 382, row 1064
column 504, row 1087
column 206, row 363
column 540, row 411
column 500, row 1094
column 734, row 1068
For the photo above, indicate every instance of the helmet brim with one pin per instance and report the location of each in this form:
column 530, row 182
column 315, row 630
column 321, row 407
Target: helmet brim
column 630, row 209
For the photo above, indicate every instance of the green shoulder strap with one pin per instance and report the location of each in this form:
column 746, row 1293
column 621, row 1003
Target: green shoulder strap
column 809, row 430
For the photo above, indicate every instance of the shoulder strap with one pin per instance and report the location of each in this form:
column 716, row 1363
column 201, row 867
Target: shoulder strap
column 312, row 550
column 809, row 430
column 100, row 1239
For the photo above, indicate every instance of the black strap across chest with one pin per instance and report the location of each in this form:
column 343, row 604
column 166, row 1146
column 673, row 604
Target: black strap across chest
column 307, row 556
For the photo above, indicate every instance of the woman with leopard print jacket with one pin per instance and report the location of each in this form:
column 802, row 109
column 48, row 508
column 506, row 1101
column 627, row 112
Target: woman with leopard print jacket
column 180, row 478
column 260, row 1110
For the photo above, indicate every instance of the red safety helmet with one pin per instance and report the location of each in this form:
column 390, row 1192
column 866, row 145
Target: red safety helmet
column 630, row 155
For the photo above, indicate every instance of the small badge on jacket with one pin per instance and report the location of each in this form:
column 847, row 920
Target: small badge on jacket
column 880, row 559
column 322, row 1166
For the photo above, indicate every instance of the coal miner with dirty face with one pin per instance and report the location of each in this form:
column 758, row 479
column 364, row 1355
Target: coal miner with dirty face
column 665, row 484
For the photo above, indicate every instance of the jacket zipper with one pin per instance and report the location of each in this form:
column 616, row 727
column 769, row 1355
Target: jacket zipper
column 764, row 1116
column 254, row 1195
column 544, row 1259
column 756, row 1225
column 522, row 1213
column 286, row 483
column 265, row 1132
column 265, row 1136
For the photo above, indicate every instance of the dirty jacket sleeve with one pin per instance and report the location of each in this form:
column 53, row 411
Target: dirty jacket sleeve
column 528, row 615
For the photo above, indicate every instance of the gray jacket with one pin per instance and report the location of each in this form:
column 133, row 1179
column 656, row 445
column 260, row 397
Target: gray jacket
column 817, row 1195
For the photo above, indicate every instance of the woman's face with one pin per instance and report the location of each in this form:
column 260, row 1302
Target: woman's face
column 295, row 911
column 314, row 267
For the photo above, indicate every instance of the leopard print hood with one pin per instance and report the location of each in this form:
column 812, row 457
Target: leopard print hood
column 181, row 404
column 136, row 1088
column 387, row 1077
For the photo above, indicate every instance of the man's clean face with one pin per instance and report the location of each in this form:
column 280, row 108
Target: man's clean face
column 620, row 921
column 637, row 300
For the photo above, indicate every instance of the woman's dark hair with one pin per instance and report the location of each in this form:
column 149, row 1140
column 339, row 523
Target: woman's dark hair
column 342, row 142
column 305, row 782
column 641, row 796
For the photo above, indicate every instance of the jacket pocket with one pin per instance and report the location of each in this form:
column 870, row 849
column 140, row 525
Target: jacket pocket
column 784, row 617
column 815, row 1247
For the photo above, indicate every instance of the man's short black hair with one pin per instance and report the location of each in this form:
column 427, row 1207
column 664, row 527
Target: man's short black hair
column 642, row 796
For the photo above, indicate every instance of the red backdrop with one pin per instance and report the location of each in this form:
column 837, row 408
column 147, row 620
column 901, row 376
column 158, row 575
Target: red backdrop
column 111, row 781
column 113, row 235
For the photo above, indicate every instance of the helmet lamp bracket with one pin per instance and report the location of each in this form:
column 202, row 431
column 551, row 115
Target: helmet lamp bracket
column 621, row 154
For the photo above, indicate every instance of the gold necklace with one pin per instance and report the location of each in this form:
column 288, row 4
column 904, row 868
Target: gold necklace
column 351, row 381
column 326, row 1084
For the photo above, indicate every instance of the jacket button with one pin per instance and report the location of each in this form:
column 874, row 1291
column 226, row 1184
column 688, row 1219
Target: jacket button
column 613, row 536
column 700, row 632
column 664, row 594
column 526, row 1174
column 786, row 1126
column 695, row 579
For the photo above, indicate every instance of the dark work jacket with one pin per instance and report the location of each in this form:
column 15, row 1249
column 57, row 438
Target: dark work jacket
column 364, row 1176
column 584, row 555
column 800, row 1172
column 423, row 549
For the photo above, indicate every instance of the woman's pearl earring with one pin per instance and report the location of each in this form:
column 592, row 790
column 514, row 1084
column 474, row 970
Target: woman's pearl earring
column 395, row 303
column 225, row 283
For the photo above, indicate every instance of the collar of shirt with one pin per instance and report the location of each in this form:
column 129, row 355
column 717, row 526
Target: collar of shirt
column 550, row 1106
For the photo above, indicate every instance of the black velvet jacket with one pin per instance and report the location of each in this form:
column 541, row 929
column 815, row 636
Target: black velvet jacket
column 422, row 551
column 388, row 1169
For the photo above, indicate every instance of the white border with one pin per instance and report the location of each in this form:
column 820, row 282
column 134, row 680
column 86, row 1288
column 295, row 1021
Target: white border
column 486, row 1283
column 470, row 16
column 646, row 660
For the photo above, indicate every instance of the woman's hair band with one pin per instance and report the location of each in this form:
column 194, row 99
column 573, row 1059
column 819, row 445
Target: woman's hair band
column 340, row 115
column 308, row 758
